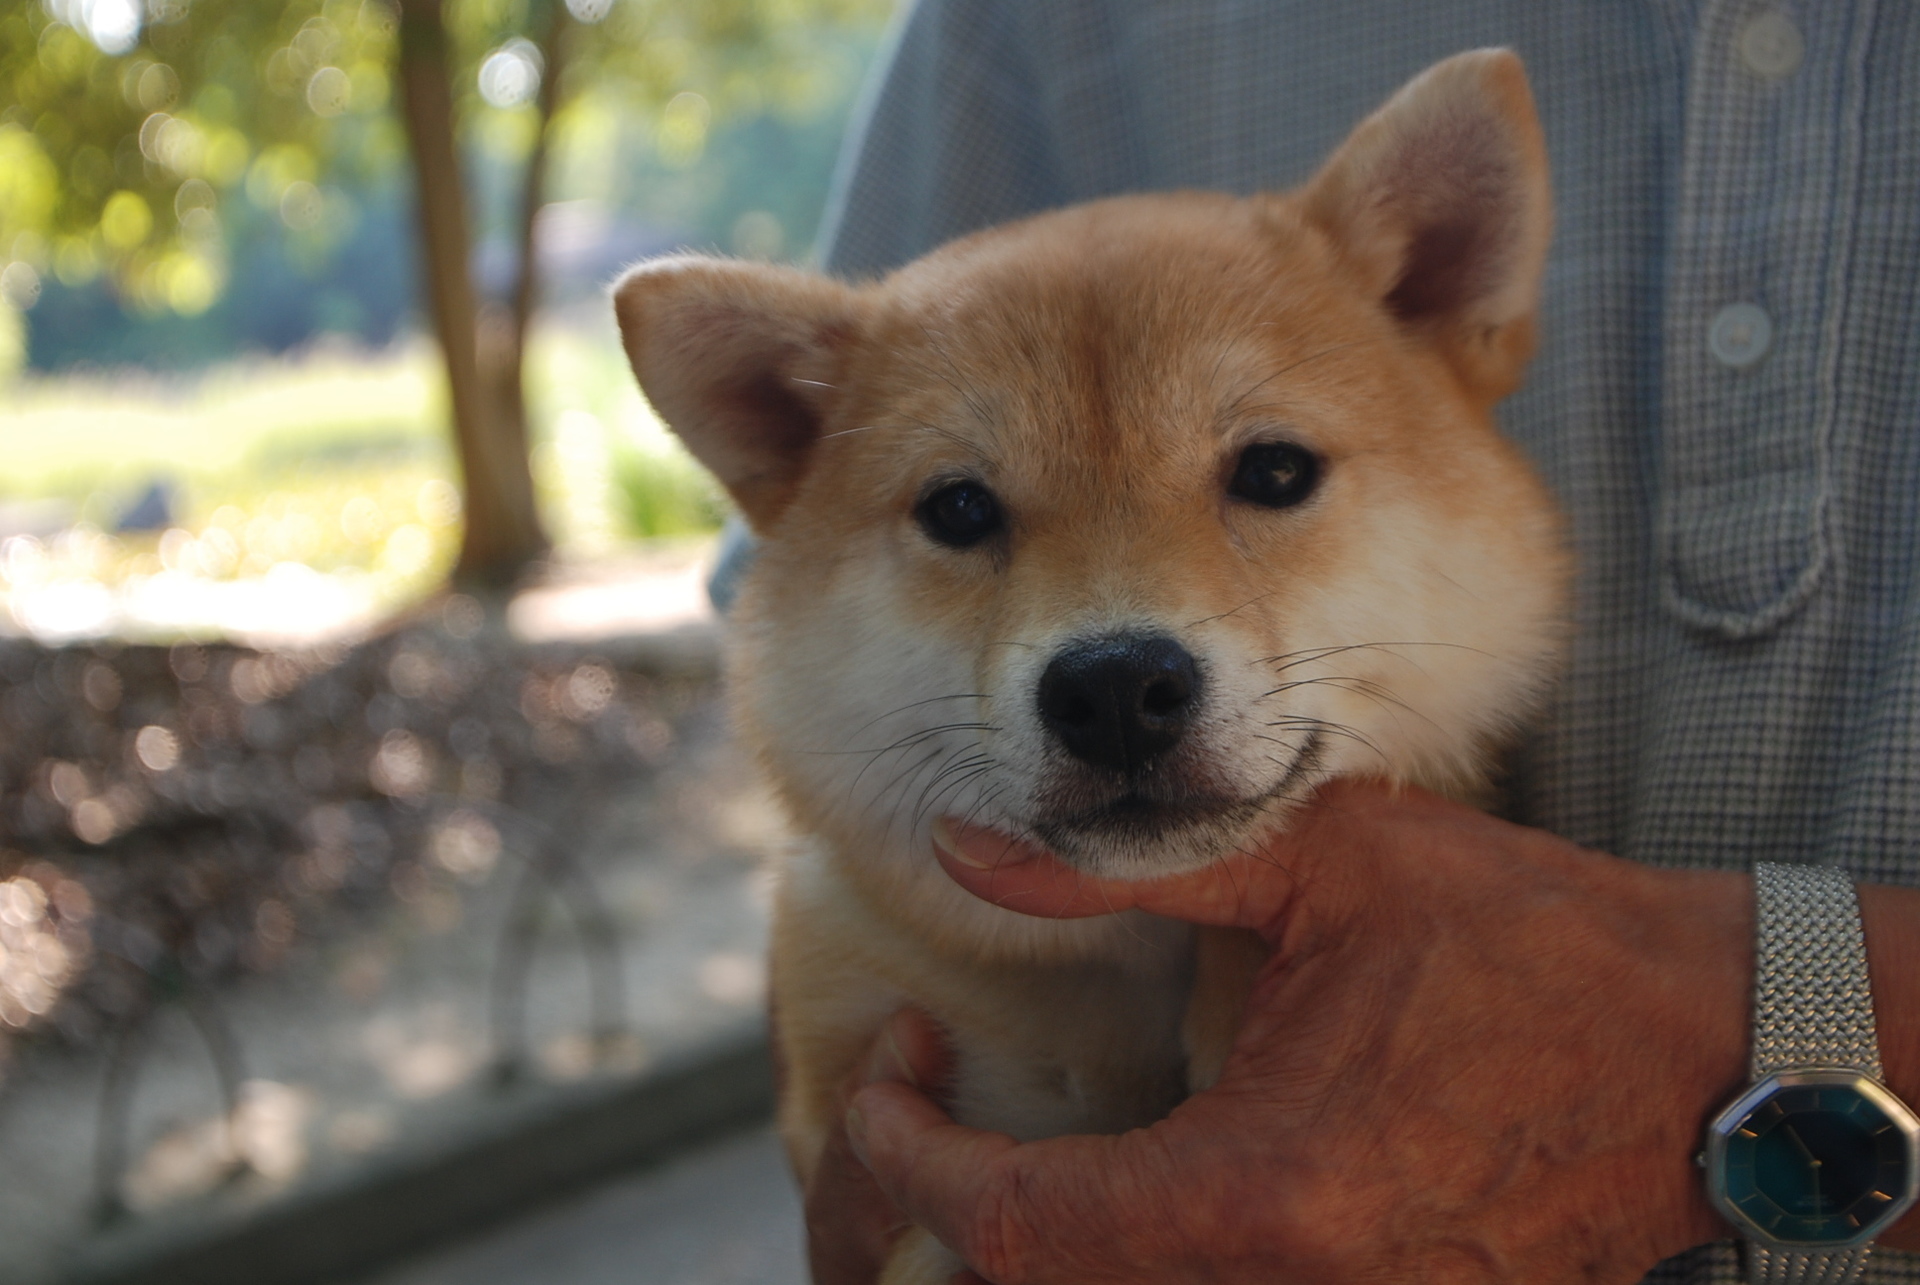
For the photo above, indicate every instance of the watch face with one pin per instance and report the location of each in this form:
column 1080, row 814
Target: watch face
column 1816, row 1164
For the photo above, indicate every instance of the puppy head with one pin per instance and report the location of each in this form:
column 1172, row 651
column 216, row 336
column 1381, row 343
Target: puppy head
column 1123, row 526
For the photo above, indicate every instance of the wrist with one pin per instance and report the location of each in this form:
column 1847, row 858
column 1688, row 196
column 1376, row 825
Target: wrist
column 1834, row 995
column 1890, row 919
column 1711, row 929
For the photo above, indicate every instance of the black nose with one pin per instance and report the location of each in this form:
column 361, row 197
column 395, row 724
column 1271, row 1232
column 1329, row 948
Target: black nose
column 1119, row 702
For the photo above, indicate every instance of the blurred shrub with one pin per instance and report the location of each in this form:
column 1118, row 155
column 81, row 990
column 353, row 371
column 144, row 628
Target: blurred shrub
column 657, row 493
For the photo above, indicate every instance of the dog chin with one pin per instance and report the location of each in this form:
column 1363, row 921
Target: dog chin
column 1135, row 838
column 1137, row 834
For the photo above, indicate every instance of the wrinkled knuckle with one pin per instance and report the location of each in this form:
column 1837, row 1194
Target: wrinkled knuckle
column 1000, row 1241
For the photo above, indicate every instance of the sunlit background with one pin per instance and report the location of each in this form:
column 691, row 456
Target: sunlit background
column 328, row 832
column 213, row 362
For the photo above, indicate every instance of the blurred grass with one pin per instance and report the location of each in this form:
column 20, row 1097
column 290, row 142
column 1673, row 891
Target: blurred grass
column 76, row 436
column 339, row 460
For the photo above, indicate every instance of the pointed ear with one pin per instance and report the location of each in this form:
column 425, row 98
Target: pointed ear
column 741, row 360
column 1440, row 201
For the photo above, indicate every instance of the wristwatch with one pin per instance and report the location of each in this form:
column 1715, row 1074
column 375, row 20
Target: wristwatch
column 1816, row 1157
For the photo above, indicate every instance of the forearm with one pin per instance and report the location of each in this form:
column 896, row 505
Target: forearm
column 1701, row 936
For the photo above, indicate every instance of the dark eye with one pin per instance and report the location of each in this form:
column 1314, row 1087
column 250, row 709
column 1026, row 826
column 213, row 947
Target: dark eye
column 1276, row 474
column 959, row 514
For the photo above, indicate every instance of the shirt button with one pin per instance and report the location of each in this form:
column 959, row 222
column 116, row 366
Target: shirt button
column 1740, row 334
column 1770, row 45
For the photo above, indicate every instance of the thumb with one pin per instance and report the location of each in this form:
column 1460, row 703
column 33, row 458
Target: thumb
column 1250, row 888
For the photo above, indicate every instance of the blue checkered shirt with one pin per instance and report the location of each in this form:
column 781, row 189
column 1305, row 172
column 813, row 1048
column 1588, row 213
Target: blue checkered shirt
column 1744, row 484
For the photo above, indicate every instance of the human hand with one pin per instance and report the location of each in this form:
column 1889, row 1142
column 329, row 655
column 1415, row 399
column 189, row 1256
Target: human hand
column 1478, row 1053
column 851, row 1223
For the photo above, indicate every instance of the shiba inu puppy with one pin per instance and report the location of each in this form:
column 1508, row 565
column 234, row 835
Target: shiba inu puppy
column 1117, row 529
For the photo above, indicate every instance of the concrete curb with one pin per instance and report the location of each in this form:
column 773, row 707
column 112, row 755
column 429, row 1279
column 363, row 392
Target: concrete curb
column 556, row 1142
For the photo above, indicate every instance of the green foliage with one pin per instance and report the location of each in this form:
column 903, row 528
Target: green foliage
column 125, row 144
column 122, row 140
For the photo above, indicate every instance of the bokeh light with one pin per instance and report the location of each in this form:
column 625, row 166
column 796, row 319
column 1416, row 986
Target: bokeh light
column 510, row 75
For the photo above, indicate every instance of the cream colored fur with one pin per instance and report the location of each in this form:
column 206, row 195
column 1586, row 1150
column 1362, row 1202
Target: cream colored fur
column 1100, row 368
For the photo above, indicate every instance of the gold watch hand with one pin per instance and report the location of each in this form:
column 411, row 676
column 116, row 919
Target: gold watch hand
column 1799, row 1142
column 1819, row 1198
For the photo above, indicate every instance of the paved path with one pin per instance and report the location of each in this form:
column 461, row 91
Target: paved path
column 725, row 1216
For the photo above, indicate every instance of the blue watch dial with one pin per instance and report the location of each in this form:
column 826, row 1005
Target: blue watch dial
column 1815, row 1165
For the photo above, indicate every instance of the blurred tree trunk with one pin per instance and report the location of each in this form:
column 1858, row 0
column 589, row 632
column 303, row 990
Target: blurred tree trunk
column 504, row 329
column 503, row 533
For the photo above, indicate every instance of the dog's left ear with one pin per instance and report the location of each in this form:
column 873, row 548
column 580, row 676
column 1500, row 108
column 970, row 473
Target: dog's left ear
column 1440, row 201
column 741, row 359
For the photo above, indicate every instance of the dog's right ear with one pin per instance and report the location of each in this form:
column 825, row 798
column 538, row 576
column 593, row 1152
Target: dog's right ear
column 741, row 359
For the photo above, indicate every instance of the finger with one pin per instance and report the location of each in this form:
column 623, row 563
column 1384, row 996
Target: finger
column 851, row 1224
column 1247, row 889
column 1060, row 1208
column 929, row 1166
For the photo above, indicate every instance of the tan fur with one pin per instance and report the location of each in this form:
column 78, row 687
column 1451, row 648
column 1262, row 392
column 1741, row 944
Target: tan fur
column 1100, row 368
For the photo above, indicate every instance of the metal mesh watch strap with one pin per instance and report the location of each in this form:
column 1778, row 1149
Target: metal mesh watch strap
column 1812, row 1004
column 1771, row 1267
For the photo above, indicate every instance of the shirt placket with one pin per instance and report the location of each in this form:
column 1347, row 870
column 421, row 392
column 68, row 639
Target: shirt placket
column 1757, row 273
